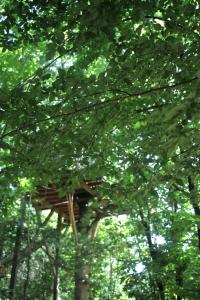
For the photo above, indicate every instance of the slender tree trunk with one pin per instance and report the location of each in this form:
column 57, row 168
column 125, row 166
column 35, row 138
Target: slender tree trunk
column 56, row 292
column 34, row 246
column 1, row 248
column 153, row 254
column 179, row 269
column 19, row 232
column 179, row 280
column 195, row 203
column 26, row 283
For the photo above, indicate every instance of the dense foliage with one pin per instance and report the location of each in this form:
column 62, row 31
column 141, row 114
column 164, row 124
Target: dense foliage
column 107, row 89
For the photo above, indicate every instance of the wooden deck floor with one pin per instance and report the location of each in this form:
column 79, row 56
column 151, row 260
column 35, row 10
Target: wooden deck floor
column 49, row 198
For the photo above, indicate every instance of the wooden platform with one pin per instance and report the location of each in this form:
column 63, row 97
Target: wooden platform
column 49, row 198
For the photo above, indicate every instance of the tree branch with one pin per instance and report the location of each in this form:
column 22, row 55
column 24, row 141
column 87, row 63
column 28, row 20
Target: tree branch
column 102, row 104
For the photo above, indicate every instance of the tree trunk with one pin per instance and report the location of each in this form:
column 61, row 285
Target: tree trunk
column 1, row 248
column 82, row 281
column 26, row 283
column 13, row 277
column 179, row 268
column 56, row 292
column 153, row 254
column 179, row 281
column 195, row 204
column 83, row 257
column 34, row 246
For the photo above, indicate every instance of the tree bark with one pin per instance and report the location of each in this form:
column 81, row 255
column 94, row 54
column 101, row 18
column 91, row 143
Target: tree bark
column 82, row 281
column 56, row 292
column 19, row 232
column 83, row 250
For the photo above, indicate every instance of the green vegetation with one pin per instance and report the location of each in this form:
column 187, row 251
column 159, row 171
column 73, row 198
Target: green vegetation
column 100, row 89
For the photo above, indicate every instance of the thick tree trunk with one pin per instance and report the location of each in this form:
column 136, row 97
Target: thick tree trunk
column 17, row 249
column 82, row 282
column 195, row 203
column 56, row 291
column 83, row 258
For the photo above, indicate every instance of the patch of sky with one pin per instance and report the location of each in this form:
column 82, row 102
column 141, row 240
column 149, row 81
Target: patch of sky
column 139, row 267
column 158, row 239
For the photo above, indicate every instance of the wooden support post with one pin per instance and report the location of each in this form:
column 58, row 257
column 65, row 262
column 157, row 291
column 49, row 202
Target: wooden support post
column 16, row 250
column 94, row 229
column 69, row 197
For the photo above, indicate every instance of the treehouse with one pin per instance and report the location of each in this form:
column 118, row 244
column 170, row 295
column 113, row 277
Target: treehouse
column 71, row 205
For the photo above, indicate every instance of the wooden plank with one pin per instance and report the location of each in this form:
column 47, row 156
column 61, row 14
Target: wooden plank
column 54, row 205
column 71, row 214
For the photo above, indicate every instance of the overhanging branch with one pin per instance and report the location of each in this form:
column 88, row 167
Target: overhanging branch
column 101, row 104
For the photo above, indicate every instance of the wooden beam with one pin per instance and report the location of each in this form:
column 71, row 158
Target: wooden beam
column 94, row 229
column 49, row 206
column 48, row 217
column 69, row 197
